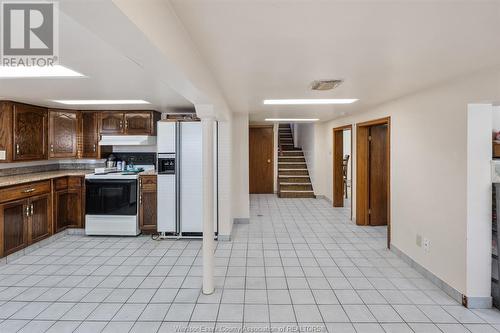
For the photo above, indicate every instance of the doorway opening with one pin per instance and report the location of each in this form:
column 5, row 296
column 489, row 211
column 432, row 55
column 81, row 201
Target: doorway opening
column 261, row 159
column 373, row 174
column 342, row 167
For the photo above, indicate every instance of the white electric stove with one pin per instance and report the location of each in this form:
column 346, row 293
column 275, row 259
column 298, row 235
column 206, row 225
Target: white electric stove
column 112, row 202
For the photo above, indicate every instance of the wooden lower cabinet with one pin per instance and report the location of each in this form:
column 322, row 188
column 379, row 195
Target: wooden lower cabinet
column 14, row 222
column 147, row 204
column 24, row 222
column 34, row 211
column 68, row 210
column 39, row 224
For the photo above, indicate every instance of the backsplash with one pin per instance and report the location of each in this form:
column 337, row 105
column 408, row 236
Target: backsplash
column 56, row 165
column 29, row 169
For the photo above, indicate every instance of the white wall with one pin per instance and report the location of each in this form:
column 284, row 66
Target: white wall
column 429, row 194
column 240, row 193
column 225, row 179
column 479, row 199
column 310, row 137
column 305, row 138
column 496, row 118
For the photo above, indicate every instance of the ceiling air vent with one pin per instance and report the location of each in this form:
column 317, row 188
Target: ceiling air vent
column 325, row 84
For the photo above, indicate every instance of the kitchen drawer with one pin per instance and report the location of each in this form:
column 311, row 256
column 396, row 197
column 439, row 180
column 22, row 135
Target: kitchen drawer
column 74, row 182
column 61, row 183
column 24, row 191
column 148, row 182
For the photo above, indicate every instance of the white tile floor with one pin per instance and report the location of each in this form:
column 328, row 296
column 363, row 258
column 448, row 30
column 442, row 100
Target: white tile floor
column 298, row 264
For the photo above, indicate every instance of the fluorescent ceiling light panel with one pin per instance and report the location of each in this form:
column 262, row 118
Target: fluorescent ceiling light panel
column 9, row 72
column 314, row 101
column 101, row 101
column 292, row 119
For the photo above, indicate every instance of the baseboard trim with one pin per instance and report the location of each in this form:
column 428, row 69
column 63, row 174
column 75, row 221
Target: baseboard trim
column 321, row 196
column 241, row 220
column 224, row 238
column 478, row 302
column 469, row 302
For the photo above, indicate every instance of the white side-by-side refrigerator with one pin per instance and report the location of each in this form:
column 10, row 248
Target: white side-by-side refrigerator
column 180, row 198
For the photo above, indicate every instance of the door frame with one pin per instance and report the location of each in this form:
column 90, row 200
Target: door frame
column 271, row 126
column 338, row 138
column 362, row 195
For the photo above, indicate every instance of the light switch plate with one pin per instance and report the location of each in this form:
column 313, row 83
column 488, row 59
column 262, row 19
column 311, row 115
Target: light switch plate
column 419, row 240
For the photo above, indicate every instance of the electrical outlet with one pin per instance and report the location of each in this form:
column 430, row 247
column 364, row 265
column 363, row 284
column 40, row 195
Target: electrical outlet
column 419, row 240
column 427, row 244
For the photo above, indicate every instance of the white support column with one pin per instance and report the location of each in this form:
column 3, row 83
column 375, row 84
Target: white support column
column 207, row 125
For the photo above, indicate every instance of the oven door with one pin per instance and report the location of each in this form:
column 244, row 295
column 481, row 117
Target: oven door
column 111, row 197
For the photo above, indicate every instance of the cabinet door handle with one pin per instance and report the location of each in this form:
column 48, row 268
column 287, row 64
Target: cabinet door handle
column 17, row 149
column 29, row 190
column 94, row 147
column 121, row 124
column 52, row 148
column 126, row 124
column 32, row 209
column 27, row 211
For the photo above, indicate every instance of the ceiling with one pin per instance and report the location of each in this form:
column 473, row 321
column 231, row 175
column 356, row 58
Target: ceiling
column 109, row 75
column 382, row 49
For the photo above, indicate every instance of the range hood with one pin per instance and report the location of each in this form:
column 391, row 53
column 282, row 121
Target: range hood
column 127, row 140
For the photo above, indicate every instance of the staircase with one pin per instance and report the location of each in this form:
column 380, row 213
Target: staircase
column 293, row 177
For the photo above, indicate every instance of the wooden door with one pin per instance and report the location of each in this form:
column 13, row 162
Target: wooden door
column 111, row 123
column 148, row 204
column 90, row 135
column 40, row 221
column 377, row 174
column 261, row 153
column 30, row 132
column 63, row 134
column 13, row 219
column 138, row 123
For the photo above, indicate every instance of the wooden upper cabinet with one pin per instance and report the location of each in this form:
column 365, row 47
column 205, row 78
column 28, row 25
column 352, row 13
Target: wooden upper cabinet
column 138, row 123
column 111, row 123
column 63, row 125
column 128, row 122
column 30, row 132
column 90, row 135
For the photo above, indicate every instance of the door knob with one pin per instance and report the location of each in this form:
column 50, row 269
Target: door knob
column 268, row 161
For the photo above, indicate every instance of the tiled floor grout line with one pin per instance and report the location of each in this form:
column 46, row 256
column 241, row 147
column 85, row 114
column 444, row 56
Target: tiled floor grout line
column 305, row 242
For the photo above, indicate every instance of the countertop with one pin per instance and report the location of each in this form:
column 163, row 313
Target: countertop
column 37, row 176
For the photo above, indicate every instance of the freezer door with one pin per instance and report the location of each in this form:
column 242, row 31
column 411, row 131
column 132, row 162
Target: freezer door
column 166, row 140
column 166, row 193
column 191, row 199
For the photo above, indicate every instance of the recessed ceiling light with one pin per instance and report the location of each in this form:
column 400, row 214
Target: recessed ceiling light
column 309, row 101
column 100, row 101
column 9, row 72
column 292, row 119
